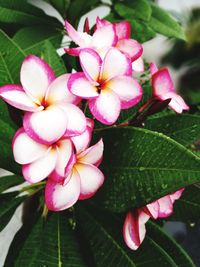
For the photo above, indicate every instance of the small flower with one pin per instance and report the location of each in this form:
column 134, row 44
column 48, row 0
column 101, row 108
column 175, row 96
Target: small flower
column 106, row 83
column 134, row 229
column 50, row 107
column 83, row 179
column 41, row 161
column 163, row 88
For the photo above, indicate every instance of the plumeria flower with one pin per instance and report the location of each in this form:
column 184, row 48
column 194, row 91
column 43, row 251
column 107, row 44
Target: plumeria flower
column 106, row 84
column 50, row 107
column 83, row 179
column 134, row 229
column 163, row 88
column 40, row 161
column 125, row 44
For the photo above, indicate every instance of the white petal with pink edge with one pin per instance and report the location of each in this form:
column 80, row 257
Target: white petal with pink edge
column 153, row 68
column 131, row 48
column 14, row 95
column 61, row 197
column 36, row 75
column 46, row 126
column 134, row 229
column 91, row 179
column 128, row 90
column 25, row 149
column 80, row 86
column 90, row 63
column 114, row 64
column 41, row 168
column 58, row 91
column 104, row 37
column 106, row 107
column 76, row 121
column 123, row 30
column 64, row 151
column 165, row 207
column 138, row 65
column 162, row 83
column 152, row 209
column 177, row 103
column 82, row 141
column 92, row 155
column 176, row 195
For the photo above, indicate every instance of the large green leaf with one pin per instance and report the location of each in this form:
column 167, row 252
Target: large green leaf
column 187, row 208
column 9, row 181
column 60, row 5
column 103, row 231
column 141, row 165
column 184, row 128
column 31, row 39
column 137, row 9
column 8, row 205
column 51, row 243
column 6, row 132
column 50, row 55
column 162, row 22
column 173, row 249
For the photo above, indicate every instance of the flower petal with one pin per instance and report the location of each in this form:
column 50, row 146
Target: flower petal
column 61, row 197
column 123, row 30
column 25, row 149
column 165, row 207
column 64, row 152
column 76, row 121
column 82, row 141
column 153, row 68
column 73, row 51
column 176, row 195
column 90, row 63
column 104, row 37
column 92, row 155
column 138, row 65
column 46, row 126
column 36, row 75
column 152, row 209
column 177, row 103
column 106, row 107
column 58, row 91
column 128, row 90
column 14, row 95
column 131, row 48
column 91, row 179
column 162, row 83
column 80, row 86
column 134, row 229
column 41, row 168
column 115, row 63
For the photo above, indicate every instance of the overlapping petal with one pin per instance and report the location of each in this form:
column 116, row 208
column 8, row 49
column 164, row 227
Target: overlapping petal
column 104, row 37
column 131, row 48
column 59, row 196
column 138, row 65
column 162, row 82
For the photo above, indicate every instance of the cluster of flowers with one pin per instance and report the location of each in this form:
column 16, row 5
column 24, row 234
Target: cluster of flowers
column 53, row 143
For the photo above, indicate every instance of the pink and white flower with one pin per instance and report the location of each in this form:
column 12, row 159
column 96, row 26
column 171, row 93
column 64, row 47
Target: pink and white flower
column 163, row 88
column 83, row 179
column 134, row 229
column 106, row 83
column 41, row 160
column 51, row 109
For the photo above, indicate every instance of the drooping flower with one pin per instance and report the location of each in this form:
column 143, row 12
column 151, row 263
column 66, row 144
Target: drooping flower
column 50, row 107
column 83, row 179
column 134, row 229
column 107, row 35
column 106, row 83
column 163, row 88
column 40, row 161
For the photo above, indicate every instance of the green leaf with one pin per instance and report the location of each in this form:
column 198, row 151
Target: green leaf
column 6, row 131
column 173, row 249
column 31, row 39
column 55, row 61
column 184, row 128
column 8, row 205
column 9, row 181
column 141, row 165
column 103, row 231
column 60, row 5
column 11, row 59
column 187, row 208
column 141, row 31
column 138, row 9
column 51, row 243
column 163, row 23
